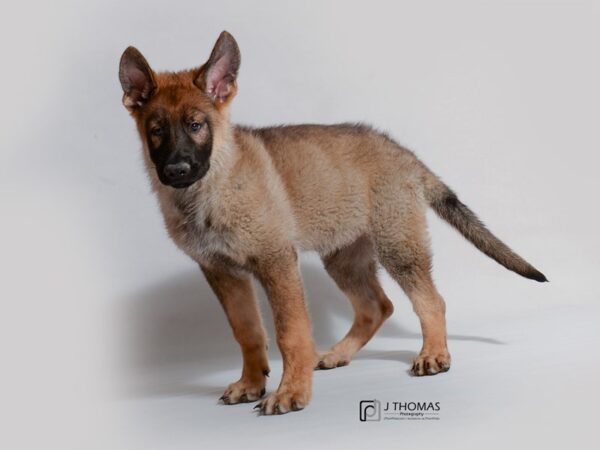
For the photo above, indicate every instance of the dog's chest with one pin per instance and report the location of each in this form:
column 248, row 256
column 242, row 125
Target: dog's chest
column 195, row 228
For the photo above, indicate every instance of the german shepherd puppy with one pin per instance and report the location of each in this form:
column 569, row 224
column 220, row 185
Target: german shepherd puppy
column 243, row 201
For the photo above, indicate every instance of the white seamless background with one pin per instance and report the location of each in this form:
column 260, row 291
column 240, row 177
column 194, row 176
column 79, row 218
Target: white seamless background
column 110, row 336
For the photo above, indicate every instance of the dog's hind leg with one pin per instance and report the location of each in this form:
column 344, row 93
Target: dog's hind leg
column 354, row 270
column 403, row 247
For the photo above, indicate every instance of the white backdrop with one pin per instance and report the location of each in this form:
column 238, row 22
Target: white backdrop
column 111, row 337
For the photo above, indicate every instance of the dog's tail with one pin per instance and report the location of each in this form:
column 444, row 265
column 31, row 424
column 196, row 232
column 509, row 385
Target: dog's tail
column 447, row 205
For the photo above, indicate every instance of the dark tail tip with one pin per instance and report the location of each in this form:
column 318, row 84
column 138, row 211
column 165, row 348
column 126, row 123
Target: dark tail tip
column 537, row 276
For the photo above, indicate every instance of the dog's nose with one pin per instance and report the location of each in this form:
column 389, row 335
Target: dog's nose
column 177, row 171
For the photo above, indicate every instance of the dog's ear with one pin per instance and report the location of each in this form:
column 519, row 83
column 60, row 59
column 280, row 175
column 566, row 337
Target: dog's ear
column 217, row 77
column 137, row 79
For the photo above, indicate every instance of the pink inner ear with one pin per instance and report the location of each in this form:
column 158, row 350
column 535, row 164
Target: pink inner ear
column 136, row 78
column 222, row 89
column 139, row 81
column 218, row 80
column 139, row 86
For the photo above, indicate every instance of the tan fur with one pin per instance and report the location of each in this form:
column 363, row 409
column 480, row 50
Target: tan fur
column 345, row 191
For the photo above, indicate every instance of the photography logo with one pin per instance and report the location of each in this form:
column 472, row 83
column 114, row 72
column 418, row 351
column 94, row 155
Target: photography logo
column 376, row 411
column 369, row 410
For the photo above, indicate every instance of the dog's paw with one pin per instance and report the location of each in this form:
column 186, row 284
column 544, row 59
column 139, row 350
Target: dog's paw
column 243, row 391
column 429, row 363
column 283, row 401
column 331, row 360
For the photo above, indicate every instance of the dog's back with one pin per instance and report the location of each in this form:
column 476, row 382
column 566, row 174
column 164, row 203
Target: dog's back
column 330, row 173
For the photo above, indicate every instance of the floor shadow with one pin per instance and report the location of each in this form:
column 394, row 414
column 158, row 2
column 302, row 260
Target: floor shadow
column 175, row 332
column 404, row 356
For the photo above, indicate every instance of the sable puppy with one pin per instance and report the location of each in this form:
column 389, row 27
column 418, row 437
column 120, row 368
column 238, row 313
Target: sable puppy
column 242, row 201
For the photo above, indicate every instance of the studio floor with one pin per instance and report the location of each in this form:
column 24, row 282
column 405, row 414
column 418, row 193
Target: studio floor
column 522, row 376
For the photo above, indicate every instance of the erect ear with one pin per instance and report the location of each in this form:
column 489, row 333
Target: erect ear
column 217, row 77
column 137, row 79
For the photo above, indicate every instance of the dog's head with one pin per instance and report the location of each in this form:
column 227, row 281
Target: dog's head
column 179, row 115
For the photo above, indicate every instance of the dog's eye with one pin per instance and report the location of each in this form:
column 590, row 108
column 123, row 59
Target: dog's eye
column 195, row 126
column 157, row 131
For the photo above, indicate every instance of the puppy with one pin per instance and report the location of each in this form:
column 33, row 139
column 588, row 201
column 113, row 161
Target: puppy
column 242, row 202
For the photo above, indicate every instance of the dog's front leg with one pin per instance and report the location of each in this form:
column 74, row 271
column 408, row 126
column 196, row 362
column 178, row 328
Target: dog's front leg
column 239, row 302
column 281, row 279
